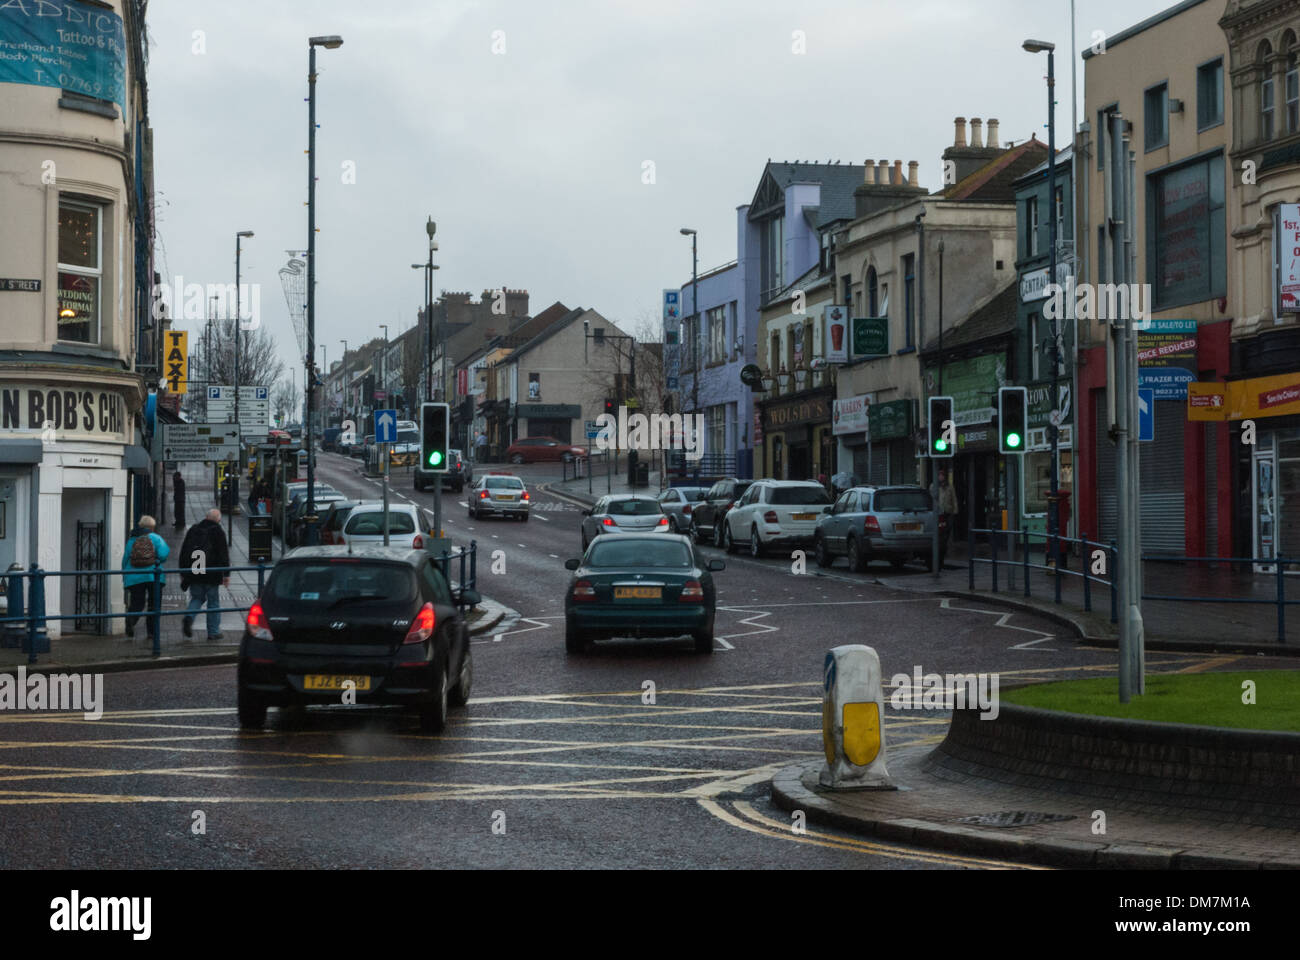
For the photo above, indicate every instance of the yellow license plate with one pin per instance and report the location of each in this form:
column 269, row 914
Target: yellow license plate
column 500, row 497
column 908, row 527
column 805, row 516
column 322, row 681
column 638, row 593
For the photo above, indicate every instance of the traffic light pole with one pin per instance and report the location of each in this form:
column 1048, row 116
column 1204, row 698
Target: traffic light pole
column 385, row 451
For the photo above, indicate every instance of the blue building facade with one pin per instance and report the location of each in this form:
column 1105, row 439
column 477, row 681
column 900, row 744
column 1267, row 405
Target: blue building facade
column 778, row 238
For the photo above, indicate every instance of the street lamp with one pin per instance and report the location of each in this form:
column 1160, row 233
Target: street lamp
column 783, row 377
column 234, row 480
column 695, row 321
column 383, row 363
column 800, row 376
column 1053, row 426
column 331, row 42
column 767, row 380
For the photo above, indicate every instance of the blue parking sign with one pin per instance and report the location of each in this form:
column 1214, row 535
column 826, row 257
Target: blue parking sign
column 1146, row 414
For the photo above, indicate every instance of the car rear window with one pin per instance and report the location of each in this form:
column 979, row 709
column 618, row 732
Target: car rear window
column 372, row 524
column 634, row 508
column 693, row 494
column 791, row 496
column 612, row 552
column 504, row 483
column 338, row 583
column 408, row 436
column 896, row 501
column 337, row 517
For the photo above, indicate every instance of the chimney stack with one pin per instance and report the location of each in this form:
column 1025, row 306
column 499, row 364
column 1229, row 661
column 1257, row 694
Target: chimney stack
column 911, row 173
column 977, row 133
column 959, row 133
column 882, row 172
column 992, row 143
column 898, row 173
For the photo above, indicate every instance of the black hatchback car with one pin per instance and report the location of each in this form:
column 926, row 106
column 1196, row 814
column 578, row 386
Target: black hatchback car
column 376, row 623
column 708, row 514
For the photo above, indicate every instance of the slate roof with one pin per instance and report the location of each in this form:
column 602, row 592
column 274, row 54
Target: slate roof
column 997, row 317
column 838, row 181
column 554, row 327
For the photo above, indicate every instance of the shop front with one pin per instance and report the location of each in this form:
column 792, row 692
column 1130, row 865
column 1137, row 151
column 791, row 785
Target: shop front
column 562, row 421
column 1035, row 482
column 887, row 455
column 798, row 442
column 66, row 488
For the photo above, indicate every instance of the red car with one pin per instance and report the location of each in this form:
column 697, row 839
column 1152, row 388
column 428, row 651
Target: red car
column 533, row 449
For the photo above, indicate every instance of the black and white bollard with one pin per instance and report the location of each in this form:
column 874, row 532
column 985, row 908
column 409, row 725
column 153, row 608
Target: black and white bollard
column 853, row 721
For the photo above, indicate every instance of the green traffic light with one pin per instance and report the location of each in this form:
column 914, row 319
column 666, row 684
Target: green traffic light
column 435, row 458
column 941, row 445
column 1013, row 439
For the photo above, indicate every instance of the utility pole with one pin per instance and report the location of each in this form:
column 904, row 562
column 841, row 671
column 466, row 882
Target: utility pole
column 309, row 509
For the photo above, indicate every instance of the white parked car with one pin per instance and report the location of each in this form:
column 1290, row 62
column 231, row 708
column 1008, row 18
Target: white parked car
column 775, row 513
column 408, row 525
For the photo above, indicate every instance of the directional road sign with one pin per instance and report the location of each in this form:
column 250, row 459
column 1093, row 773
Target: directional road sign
column 1146, row 414
column 204, row 442
column 385, row 426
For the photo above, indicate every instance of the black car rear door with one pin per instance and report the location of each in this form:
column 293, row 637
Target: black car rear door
column 341, row 605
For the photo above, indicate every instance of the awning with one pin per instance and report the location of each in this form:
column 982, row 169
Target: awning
column 26, row 450
column 136, row 459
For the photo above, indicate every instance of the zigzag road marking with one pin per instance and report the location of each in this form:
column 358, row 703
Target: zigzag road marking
column 946, row 604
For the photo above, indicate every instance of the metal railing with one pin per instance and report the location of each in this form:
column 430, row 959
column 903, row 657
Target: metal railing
column 1058, row 546
column 23, row 625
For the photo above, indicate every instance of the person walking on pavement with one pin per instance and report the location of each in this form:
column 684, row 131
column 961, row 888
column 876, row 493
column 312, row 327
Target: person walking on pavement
column 945, row 498
column 178, row 488
column 208, row 540
column 144, row 549
column 481, row 445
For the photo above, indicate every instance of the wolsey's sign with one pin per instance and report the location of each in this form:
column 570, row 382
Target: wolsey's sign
column 95, row 414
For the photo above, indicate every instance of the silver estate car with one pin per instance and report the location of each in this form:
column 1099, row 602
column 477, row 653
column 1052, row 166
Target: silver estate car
column 498, row 495
column 895, row 523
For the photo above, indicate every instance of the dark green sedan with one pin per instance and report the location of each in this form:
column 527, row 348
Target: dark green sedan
column 640, row 585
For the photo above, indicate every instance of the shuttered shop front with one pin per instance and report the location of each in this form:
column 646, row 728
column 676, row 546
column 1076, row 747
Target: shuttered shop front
column 1161, row 480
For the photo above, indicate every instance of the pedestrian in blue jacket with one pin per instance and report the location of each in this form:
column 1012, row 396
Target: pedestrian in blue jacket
column 143, row 550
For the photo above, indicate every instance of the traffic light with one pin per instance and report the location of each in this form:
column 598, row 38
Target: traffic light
column 943, row 432
column 435, row 434
column 611, row 406
column 1013, row 419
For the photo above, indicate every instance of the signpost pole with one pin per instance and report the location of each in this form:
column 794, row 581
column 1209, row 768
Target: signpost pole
column 387, row 449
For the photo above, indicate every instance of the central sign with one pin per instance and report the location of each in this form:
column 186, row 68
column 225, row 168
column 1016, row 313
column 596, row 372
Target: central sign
column 199, row 442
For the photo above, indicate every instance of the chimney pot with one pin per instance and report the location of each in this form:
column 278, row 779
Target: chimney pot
column 882, row 172
column 976, row 133
column 898, row 172
column 911, row 172
column 959, row 132
column 992, row 141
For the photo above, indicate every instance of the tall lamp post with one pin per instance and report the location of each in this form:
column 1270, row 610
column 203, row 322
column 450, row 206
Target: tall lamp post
column 695, row 331
column 430, row 228
column 1053, row 426
column 309, row 512
column 239, row 321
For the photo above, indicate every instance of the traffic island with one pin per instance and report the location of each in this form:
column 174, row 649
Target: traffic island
column 1074, row 790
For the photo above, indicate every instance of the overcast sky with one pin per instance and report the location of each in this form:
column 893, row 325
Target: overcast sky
column 531, row 160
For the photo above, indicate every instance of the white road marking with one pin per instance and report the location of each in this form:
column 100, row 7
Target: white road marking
column 1002, row 622
column 554, row 556
column 541, row 518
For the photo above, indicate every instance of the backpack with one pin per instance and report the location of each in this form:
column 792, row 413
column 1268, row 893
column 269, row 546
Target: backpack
column 143, row 552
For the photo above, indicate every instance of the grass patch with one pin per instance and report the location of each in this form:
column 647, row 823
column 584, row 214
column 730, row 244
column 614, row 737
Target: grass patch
column 1208, row 699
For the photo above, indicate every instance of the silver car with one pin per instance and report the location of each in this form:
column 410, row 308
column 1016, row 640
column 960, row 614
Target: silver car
column 888, row 523
column 623, row 513
column 498, row 495
column 679, row 504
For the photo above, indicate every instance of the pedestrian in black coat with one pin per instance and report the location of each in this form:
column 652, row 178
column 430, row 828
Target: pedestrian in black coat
column 178, row 487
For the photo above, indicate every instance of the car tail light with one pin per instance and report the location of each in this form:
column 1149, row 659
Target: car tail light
column 769, row 517
column 691, row 590
column 257, row 623
column 663, row 522
column 422, row 626
column 584, row 592
column 524, row 497
column 608, row 521
column 870, row 524
column 687, row 510
column 483, row 495
column 417, row 543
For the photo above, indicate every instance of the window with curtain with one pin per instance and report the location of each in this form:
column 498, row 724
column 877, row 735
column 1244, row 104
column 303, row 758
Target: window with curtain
column 873, row 293
column 717, row 319
column 909, row 299
column 1267, row 108
column 1209, row 94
